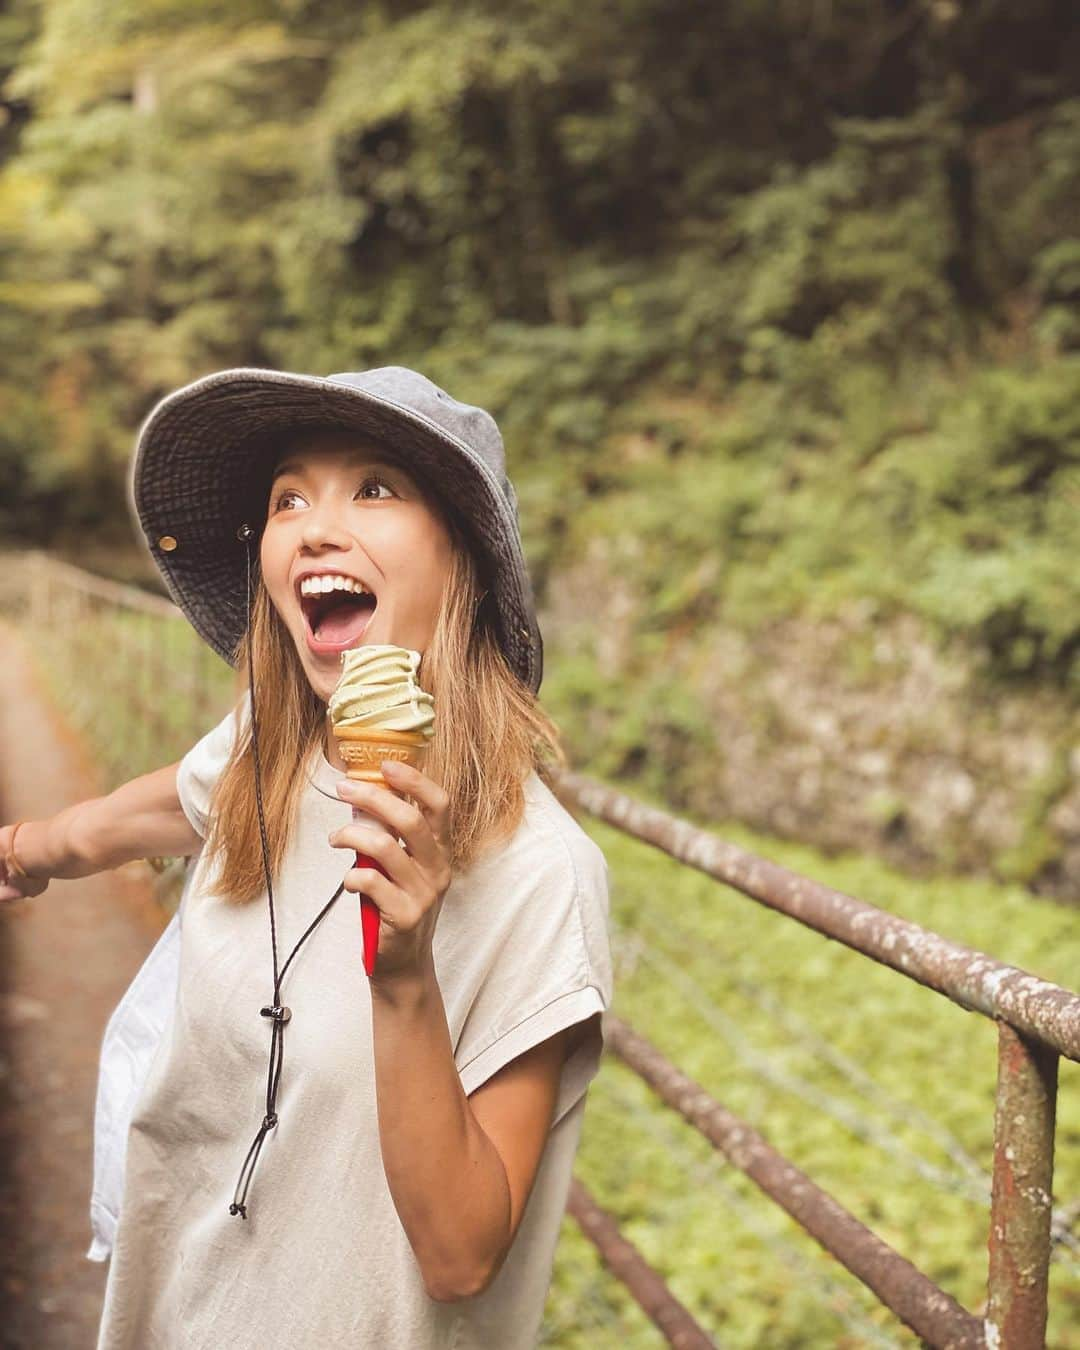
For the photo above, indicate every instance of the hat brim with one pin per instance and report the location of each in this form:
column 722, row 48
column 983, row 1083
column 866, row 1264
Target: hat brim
column 202, row 467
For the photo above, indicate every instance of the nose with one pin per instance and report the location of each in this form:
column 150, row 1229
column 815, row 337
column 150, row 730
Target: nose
column 323, row 528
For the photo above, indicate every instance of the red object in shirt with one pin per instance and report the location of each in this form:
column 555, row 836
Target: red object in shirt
column 369, row 916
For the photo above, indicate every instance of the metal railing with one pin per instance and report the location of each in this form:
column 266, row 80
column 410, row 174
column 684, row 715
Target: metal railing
column 1038, row 1023
column 124, row 665
column 172, row 687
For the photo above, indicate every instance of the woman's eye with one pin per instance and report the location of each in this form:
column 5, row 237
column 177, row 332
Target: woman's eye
column 371, row 489
column 289, row 492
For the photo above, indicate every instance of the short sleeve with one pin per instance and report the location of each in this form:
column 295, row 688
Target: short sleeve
column 202, row 766
column 538, row 958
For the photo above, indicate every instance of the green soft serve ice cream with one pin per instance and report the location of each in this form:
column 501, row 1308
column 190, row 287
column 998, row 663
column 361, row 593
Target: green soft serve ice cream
column 378, row 691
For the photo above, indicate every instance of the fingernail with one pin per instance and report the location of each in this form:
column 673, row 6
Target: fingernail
column 390, row 767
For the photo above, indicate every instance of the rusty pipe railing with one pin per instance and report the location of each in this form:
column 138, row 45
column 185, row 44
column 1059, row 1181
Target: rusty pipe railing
column 915, row 1299
column 628, row 1266
column 1043, row 1011
column 156, row 688
column 1038, row 1022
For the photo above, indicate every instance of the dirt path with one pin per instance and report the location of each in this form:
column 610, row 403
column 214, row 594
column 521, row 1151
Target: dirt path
column 65, row 959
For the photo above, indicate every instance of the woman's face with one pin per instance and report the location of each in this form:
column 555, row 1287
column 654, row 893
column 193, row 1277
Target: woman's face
column 337, row 510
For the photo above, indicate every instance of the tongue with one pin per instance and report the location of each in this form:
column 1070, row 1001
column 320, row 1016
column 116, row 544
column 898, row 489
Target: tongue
column 343, row 622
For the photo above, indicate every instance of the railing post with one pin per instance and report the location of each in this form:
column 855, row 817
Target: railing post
column 38, row 575
column 1020, row 1203
column 150, row 687
column 196, row 688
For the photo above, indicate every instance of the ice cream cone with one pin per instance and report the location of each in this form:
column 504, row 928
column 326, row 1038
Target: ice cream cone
column 363, row 749
column 378, row 685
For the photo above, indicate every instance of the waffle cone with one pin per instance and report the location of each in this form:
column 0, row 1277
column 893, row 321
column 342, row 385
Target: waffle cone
column 364, row 749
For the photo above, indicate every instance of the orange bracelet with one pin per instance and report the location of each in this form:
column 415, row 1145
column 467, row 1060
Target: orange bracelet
column 13, row 864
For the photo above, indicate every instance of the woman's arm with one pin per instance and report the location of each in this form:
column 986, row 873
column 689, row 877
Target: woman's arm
column 459, row 1169
column 141, row 819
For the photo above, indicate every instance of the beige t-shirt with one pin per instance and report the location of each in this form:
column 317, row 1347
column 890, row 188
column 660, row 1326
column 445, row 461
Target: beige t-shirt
column 521, row 952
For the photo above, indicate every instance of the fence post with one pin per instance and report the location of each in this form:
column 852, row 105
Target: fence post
column 1020, row 1207
column 38, row 573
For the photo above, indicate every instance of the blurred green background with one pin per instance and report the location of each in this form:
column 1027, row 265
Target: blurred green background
column 778, row 306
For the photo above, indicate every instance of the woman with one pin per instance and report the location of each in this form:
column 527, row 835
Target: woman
column 415, row 1132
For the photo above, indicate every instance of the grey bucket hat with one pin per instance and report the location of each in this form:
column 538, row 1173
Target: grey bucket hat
column 202, row 468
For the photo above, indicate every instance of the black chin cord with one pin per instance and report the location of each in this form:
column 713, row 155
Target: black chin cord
column 275, row 1011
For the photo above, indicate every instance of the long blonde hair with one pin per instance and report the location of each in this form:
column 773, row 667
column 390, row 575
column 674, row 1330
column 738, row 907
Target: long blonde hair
column 490, row 733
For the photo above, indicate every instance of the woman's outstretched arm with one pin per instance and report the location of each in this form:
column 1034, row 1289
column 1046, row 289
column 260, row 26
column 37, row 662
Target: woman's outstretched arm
column 141, row 819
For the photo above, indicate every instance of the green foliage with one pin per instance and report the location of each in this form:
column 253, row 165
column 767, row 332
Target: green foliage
column 760, row 344
column 956, row 500
column 745, row 1000
column 858, row 242
column 531, row 198
column 1057, row 279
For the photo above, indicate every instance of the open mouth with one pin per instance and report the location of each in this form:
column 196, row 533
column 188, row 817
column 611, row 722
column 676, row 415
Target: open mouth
column 337, row 619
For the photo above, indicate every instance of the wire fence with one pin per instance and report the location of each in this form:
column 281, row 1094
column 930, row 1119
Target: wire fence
column 124, row 665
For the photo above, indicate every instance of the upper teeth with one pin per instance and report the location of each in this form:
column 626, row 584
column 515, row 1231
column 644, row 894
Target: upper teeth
column 318, row 585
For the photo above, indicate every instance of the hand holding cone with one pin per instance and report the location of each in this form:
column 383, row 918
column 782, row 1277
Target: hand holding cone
column 363, row 753
column 379, row 712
